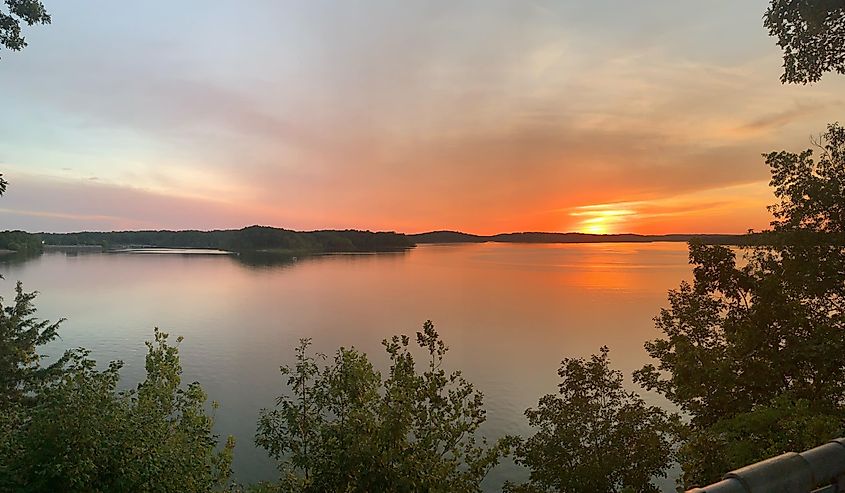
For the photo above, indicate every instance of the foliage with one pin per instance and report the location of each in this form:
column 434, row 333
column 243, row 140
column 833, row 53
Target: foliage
column 767, row 431
column 811, row 191
column 342, row 427
column 20, row 241
column 84, row 435
column 253, row 238
column 21, row 335
column 811, row 34
column 593, row 435
column 17, row 11
column 743, row 342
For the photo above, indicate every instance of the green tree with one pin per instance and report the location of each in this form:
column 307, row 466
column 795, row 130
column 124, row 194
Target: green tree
column 21, row 242
column 21, row 336
column 83, row 435
column 786, row 424
column 27, row 11
column 811, row 34
column 593, row 435
column 342, row 427
column 748, row 350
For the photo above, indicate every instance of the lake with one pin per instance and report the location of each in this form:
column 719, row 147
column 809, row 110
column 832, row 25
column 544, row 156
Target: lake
column 509, row 313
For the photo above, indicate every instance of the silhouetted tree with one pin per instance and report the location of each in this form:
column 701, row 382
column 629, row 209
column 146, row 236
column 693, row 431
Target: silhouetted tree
column 812, row 36
column 749, row 350
column 811, row 185
column 785, row 424
column 28, row 11
column 593, row 435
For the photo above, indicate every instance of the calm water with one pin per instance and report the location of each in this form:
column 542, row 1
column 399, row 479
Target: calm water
column 509, row 313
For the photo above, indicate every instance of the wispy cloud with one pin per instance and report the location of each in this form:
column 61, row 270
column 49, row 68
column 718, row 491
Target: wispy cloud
column 776, row 120
column 479, row 115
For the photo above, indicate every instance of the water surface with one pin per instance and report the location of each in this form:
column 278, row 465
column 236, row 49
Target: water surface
column 509, row 313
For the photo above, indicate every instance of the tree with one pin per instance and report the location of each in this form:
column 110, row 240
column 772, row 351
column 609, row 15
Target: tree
column 811, row 34
column 66, row 427
column 747, row 350
column 786, row 424
column 811, row 191
column 342, row 427
column 21, row 242
column 593, row 435
column 21, row 336
column 28, row 11
column 83, row 435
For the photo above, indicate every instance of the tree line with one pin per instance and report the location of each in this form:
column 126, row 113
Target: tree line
column 20, row 242
column 249, row 239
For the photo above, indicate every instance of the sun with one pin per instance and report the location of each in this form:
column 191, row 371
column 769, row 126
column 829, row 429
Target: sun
column 600, row 219
column 599, row 227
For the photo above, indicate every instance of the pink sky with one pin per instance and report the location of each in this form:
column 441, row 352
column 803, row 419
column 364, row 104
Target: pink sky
column 484, row 117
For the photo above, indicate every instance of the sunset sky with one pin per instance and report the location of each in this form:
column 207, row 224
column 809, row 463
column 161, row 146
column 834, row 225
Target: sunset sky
column 483, row 116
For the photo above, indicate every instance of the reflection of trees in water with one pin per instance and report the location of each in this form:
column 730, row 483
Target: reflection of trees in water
column 17, row 258
column 263, row 260
column 256, row 259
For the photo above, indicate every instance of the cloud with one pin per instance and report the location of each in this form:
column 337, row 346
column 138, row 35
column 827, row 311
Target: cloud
column 47, row 204
column 731, row 209
column 479, row 115
column 774, row 121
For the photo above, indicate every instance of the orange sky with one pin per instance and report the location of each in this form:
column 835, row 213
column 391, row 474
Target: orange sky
column 485, row 117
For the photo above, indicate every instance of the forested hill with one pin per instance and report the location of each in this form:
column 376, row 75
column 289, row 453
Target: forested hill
column 276, row 240
column 250, row 239
column 538, row 237
column 20, row 242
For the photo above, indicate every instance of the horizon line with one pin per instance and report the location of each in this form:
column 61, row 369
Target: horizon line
column 750, row 231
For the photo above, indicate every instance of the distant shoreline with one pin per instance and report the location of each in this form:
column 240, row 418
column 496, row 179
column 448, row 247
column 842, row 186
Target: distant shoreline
column 263, row 244
column 545, row 237
column 252, row 240
column 267, row 241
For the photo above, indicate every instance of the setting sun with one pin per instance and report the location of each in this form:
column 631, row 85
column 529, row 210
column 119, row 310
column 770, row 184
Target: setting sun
column 601, row 220
column 596, row 226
